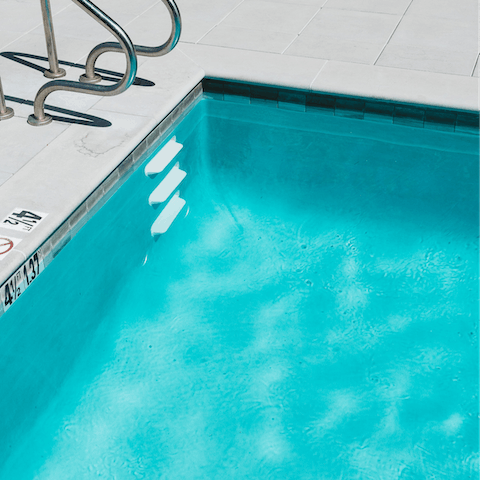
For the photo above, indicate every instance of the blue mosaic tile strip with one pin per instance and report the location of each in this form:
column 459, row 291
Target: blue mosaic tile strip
column 358, row 108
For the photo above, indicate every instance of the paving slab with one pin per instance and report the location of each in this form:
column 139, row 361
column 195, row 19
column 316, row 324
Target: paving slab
column 464, row 10
column 271, row 16
column 442, row 33
column 428, row 59
column 353, row 36
column 255, row 67
column 332, row 48
column 248, row 39
column 394, row 7
column 409, row 86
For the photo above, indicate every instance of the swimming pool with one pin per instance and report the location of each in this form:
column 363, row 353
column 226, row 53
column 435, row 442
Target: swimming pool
column 312, row 313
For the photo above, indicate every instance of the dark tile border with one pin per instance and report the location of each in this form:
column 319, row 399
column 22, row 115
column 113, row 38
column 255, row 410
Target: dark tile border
column 418, row 116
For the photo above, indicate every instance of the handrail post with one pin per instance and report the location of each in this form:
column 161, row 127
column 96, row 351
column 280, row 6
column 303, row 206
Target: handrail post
column 55, row 71
column 91, row 77
column 40, row 118
column 5, row 112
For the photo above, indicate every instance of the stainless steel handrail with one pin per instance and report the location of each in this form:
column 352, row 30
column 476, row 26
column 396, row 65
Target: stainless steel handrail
column 91, row 77
column 40, row 118
column 55, row 71
column 5, row 112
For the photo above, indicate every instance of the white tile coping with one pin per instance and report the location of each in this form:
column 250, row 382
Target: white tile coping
column 327, row 76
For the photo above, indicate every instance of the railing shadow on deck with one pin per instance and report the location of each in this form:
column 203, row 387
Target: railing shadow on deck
column 20, row 57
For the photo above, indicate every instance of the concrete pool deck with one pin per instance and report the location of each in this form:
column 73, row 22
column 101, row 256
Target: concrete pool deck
column 409, row 51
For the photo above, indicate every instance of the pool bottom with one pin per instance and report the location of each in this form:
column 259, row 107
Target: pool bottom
column 274, row 333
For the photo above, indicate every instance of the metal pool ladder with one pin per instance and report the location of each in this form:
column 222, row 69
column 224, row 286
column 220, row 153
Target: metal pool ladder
column 39, row 117
column 90, row 77
column 5, row 112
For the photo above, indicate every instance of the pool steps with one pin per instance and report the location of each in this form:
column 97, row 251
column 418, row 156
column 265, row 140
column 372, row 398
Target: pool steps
column 166, row 187
column 163, row 158
column 168, row 215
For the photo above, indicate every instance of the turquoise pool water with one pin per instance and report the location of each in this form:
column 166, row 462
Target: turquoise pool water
column 314, row 316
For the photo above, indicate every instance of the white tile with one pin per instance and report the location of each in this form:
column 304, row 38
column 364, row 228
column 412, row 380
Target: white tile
column 437, row 33
column 333, row 48
column 125, row 8
column 193, row 31
column 351, row 26
column 206, row 11
column 462, row 10
column 174, row 75
column 68, row 50
column 396, row 7
column 7, row 38
column 199, row 17
column 74, row 22
column 271, row 16
column 345, row 36
column 19, row 17
column 385, row 83
column 256, row 67
column 429, row 59
column 14, row 154
column 247, row 39
column 317, row 3
column 4, row 177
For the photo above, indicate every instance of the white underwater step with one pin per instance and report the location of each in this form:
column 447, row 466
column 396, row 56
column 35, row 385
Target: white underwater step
column 167, row 186
column 161, row 160
column 168, row 215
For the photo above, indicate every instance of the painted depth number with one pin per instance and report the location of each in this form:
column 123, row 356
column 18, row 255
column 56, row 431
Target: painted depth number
column 21, row 280
column 23, row 220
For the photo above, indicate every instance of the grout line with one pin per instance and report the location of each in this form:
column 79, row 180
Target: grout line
column 394, row 30
column 133, row 18
column 289, row 45
column 300, row 32
column 316, row 76
column 218, row 23
column 310, row 21
column 474, row 66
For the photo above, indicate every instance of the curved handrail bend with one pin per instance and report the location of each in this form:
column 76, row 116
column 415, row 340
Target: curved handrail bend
column 40, row 118
column 91, row 77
